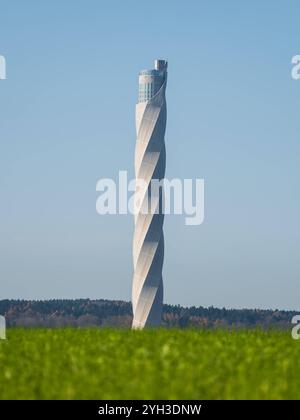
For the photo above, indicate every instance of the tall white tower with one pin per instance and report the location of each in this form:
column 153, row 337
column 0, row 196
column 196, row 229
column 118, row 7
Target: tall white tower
column 150, row 163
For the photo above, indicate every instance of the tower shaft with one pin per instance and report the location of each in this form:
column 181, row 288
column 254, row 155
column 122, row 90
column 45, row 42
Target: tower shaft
column 150, row 162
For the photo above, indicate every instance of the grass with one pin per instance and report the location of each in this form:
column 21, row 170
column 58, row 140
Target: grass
column 91, row 363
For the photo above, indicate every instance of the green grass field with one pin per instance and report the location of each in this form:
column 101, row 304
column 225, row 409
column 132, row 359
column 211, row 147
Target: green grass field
column 154, row 364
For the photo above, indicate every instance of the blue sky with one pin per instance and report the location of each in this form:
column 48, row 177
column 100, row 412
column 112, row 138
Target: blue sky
column 67, row 119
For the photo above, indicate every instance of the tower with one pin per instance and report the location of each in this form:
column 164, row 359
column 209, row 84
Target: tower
column 150, row 163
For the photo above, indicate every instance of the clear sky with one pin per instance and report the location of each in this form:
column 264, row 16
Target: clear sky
column 67, row 119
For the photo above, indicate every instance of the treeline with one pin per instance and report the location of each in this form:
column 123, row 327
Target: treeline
column 104, row 313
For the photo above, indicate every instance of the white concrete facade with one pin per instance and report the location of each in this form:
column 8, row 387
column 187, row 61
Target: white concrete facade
column 150, row 162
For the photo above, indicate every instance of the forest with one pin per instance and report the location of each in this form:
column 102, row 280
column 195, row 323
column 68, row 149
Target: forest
column 117, row 313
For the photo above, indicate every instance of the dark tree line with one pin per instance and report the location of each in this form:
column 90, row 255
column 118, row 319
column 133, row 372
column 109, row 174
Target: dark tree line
column 86, row 312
